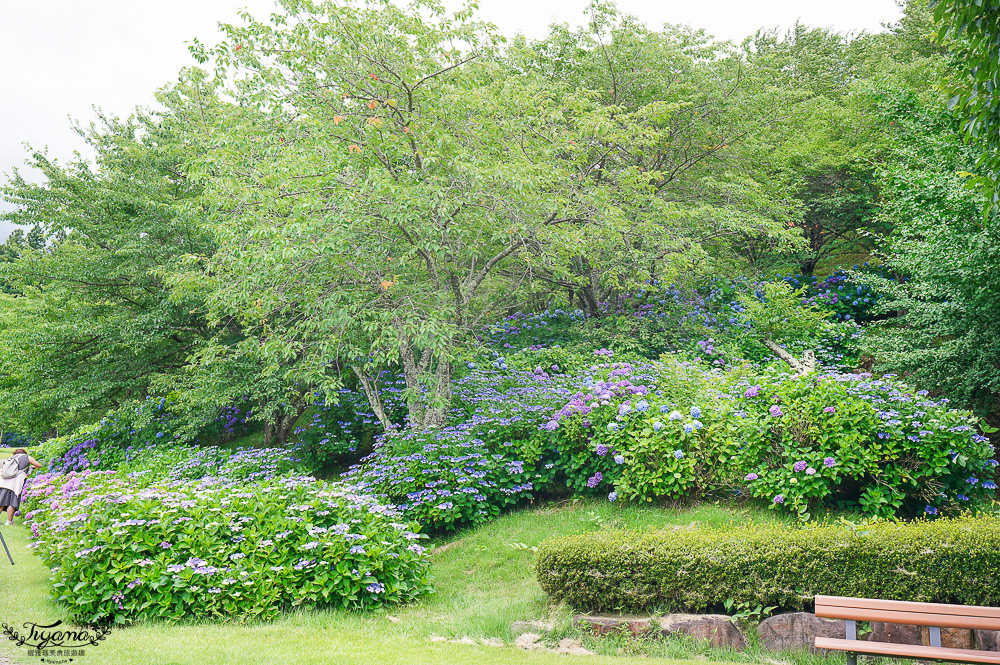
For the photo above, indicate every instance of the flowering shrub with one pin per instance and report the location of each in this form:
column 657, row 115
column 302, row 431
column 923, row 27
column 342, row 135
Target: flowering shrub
column 795, row 442
column 852, row 439
column 848, row 295
column 145, row 424
column 187, row 462
column 121, row 549
column 443, row 479
column 341, row 425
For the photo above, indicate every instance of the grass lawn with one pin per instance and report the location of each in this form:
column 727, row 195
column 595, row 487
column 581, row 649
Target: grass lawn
column 483, row 578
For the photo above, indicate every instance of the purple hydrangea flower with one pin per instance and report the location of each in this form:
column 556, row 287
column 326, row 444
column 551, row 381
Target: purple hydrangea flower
column 613, row 496
column 751, row 477
column 810, row 471
column 931, row 510
column 829, row 462
column 775, row 410
column 595, row 479
column 800, row 466
column 602, row 449
column 830, row 409
column 779, row 499
column 752, row 391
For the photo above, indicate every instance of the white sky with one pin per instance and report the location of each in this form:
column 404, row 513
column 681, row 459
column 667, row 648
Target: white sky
column 62, row 57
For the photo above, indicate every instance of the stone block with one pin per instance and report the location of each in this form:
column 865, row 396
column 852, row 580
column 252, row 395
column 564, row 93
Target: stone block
column 797, row 631
column 988, row 640
column 717, row 629
column 895, row 633
column 952, row 638
column 605, row 625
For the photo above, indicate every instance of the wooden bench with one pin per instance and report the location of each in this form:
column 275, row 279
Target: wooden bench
column 933, row 615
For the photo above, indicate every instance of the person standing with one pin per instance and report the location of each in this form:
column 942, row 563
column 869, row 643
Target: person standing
column 10, row 488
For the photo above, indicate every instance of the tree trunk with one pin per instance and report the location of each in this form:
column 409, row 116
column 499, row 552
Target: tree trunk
column 801, row 367
column 591, row 307
column 286, row 422
column 439, row 401
column 370, row 387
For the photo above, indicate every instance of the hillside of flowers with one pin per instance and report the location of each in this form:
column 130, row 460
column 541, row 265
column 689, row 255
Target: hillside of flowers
column 667, row 398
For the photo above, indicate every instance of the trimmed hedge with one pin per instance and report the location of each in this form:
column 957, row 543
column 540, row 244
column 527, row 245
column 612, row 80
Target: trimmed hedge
column 944, row 561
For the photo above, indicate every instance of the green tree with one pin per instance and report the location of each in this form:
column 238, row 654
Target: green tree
column 972, row 29
column 945, row 333
column 89, row 322
column 694, row 106
column 383, row 188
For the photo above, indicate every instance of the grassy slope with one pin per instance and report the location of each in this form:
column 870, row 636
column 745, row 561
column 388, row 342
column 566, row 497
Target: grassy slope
column 484, row 581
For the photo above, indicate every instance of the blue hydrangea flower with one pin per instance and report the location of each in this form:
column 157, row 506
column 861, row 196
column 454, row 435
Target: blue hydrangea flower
column 619, row 459
column 678, row 453
column 695, row 412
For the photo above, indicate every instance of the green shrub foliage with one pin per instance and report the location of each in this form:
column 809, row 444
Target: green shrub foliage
column 122, row 550
column 950, row 560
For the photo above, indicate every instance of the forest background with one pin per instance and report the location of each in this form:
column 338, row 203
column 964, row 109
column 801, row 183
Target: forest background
column 322, row 201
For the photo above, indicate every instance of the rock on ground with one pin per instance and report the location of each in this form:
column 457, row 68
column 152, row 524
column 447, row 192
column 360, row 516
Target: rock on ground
column 605, row 625
column 574, row 647
column 717, row 629
column 529, row 641
column 796, row 631
column 896, row 633
column 951, row 638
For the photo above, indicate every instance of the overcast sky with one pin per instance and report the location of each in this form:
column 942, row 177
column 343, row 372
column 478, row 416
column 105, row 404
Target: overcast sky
column 63, row 57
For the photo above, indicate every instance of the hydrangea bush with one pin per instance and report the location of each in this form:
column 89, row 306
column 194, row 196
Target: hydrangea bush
column 851, row 438
column 444, row 479
column 122, row 549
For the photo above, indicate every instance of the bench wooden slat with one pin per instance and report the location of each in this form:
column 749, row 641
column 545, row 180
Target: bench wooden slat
column 909, row 650
column 826, row 602
column 910, row 618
